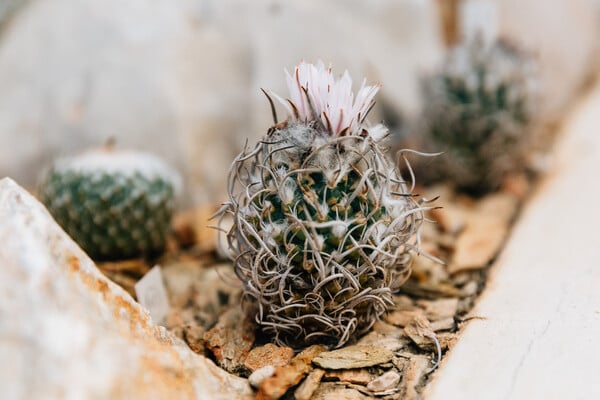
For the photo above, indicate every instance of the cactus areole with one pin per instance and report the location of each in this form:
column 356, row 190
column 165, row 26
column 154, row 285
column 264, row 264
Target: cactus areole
column 324, row 227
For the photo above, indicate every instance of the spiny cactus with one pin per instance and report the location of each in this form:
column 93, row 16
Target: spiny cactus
column 324, row 226
column 114, row 204
column 478, row 110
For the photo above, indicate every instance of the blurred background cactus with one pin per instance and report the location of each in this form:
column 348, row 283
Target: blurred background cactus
column 324, row 226
column 478, row 111
column 115, row 204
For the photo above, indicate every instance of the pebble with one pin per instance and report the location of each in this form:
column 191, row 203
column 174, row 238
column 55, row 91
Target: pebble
column 259, row 376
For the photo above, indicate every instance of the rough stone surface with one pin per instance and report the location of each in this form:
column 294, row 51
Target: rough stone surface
column 68, row 332
column 357, row 356
column 539, row 323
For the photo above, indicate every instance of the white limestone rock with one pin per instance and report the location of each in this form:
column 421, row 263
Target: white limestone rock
column 66, row 331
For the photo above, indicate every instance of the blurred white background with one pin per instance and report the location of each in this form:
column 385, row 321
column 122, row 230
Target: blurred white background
column 182, row 78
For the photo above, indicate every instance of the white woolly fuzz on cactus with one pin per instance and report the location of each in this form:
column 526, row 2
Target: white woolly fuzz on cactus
column 120, row 162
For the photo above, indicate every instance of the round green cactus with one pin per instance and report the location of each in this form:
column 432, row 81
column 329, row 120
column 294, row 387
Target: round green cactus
column 478, row 110
column 114, row 204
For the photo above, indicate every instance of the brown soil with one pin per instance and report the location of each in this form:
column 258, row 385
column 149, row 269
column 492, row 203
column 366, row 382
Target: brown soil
column 429, row 312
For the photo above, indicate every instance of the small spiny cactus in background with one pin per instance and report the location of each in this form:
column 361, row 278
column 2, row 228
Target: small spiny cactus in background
column 114, row 203
column 478, row 112
column 324, row 227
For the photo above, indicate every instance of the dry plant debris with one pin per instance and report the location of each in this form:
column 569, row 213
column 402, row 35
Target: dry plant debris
column 393, row 360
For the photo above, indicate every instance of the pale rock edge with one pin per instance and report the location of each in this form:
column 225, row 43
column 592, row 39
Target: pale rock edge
column 68, row 332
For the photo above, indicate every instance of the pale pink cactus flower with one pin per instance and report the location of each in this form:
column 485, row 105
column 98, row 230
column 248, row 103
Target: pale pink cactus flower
column 316, row 95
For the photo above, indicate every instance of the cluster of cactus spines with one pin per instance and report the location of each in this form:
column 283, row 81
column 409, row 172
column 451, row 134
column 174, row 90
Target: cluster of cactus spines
column 478, row 110
column 324, row 227
column 114, row 204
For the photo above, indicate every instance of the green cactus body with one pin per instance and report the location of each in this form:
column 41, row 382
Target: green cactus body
column 322, row 230
column 478, row 110
column 112, row 212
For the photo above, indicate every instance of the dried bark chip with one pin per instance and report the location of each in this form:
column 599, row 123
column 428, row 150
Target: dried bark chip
column 417, row 367
column 289, row 375
column 230, row 340
column 391, row 341
column 443, row 324
column 356, row 356
column 439, row 309
column 419, row 331
column 516, row 185
column 268, row 354
column 307, row 388
column 430, row 290
column 478, row 244
column 403, row 302
column 335, row 391
column 194, row 337
column 386, row 329
column 502, row 206
column 402, row 318
column 385, row 382
column 450, row 218
column 356, row 376
column 470, row 288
